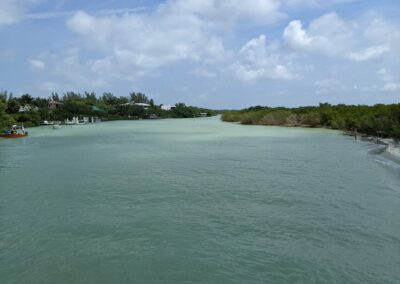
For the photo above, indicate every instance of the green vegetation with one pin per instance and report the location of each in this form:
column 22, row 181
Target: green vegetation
column 378, row 120
column 33, row 111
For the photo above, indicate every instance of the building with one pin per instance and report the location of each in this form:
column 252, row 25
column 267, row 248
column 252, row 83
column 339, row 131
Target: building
column 27, row 108
column 53, row 105
column 143, row 105
column 167, row 107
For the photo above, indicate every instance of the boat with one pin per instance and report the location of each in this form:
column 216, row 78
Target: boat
column 14, row 132
column 45, row 122
column 13, row 135
column 56, row 126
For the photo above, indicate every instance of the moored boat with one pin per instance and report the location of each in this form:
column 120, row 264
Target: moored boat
column 13, row 135
column 14, row 132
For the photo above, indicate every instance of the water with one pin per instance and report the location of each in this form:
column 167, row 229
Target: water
column 196, row 201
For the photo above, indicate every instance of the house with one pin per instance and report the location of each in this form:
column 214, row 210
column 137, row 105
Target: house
column 27, row 108
column 53, row 105
column 167, row 107
column 143, row 105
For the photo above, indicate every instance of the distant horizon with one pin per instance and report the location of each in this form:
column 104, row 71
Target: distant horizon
column 213, row 54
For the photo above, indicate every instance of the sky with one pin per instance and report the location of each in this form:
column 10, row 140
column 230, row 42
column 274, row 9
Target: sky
column 210, row 53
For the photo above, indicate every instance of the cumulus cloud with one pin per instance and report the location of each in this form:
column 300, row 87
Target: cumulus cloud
column 296, row 36
column 146, row 42
column 261, row 61
column 202, row 34
column 69, row 71
column 136, row 44
column 327, row 34
column 357, row 40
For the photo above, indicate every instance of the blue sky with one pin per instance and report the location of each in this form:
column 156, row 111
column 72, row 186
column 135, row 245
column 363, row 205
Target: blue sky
column 212, row 53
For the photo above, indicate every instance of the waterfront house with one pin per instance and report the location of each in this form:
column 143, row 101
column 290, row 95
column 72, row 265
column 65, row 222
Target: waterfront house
column 53, row 105
column 167, row 107
column 143, row 105
column 27, row 108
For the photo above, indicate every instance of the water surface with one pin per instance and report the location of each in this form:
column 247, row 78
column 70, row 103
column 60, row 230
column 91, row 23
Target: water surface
column 196, row 201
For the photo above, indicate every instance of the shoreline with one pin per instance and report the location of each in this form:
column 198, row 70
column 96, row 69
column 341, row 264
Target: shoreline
column 392, row 146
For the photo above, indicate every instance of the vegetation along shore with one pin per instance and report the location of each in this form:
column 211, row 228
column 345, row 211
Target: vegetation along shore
column 32, row 111
column 379, row 120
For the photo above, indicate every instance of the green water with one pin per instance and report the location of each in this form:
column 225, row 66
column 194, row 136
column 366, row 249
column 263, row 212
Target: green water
column 196, row 201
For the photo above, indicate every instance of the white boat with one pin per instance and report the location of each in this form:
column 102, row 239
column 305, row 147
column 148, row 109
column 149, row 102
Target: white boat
column 56, row 126
column 45, row 122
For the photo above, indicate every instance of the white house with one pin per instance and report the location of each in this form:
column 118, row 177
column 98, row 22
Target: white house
column 27, row 108
column 167, row 107
column 143, row 105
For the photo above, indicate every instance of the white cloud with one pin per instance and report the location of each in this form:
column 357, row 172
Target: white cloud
column 307, row 4
column 391, row 83
column 144, row 42
column 296, row 36
column 261, row 61
column 134, row 44
column 69, row 73
column 379, row 30
column 365, row 38
column 10, row 12
column 228, row 11
column 327, row 34
column 391, row 87
column 384, row 75
column 369, row 53
column 65, row 14
column 13, row 11
column 37, row 64
column 201, row 35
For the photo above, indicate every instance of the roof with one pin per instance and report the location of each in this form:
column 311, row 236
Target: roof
column 136, row 104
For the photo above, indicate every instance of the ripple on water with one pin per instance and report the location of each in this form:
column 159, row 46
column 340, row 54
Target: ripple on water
column 180, row 201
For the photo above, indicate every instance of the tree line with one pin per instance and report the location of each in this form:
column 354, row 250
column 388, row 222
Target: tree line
column 32, row 111
column 377, row 120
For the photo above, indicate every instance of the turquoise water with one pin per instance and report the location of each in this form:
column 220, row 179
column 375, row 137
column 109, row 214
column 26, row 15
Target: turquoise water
column 196, row 201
